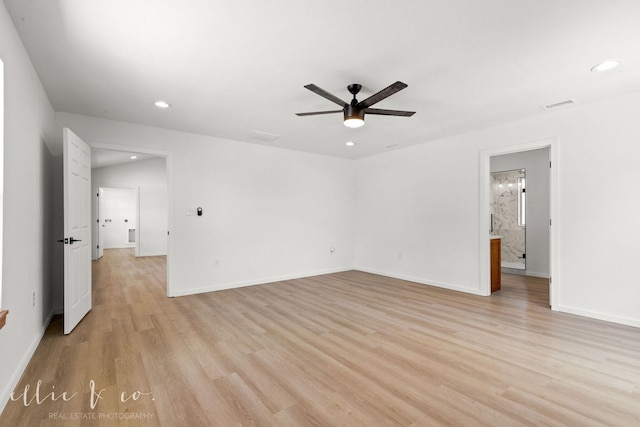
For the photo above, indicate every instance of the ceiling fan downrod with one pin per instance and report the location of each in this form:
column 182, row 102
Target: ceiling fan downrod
column 354, row 88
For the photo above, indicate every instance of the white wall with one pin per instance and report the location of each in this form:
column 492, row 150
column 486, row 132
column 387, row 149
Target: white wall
column 269, row 213
column 150, row 177
column 423, row 201
column 30, row 252
column 417, row 211
column 536, row 163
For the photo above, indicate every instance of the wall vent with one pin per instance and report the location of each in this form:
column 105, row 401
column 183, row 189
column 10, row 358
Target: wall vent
column 262, row 136
column 560, row 104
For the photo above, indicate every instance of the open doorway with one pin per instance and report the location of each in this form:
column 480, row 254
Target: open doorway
column 142, row 176
column 520, row 214
column 117, row 219
column 535, row 218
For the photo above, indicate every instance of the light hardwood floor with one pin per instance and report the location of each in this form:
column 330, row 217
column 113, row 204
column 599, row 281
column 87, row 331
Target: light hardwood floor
column 346, row 349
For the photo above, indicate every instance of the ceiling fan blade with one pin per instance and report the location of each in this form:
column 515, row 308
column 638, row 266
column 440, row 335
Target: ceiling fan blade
column 315, row 113
column 382, row 112
column 377, row 97
column 315, row 89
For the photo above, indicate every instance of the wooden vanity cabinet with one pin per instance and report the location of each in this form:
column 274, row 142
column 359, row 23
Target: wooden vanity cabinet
column 495, row 264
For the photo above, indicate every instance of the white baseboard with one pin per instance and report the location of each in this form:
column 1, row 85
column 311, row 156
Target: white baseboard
column 5, row 395
column 223, row 286
column 535, row 274
column 422, row 281
column 151, row 254
column 525, row 273
column 514, row 265
column 599, row 316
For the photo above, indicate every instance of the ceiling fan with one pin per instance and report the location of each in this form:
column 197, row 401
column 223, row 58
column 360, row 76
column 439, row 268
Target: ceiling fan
column 354, row 112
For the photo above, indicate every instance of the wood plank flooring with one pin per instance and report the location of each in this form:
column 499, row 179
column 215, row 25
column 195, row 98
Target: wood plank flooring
column 346, row 349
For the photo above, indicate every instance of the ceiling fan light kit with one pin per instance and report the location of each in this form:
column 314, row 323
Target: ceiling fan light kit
column 354, row 111
column 353, row 117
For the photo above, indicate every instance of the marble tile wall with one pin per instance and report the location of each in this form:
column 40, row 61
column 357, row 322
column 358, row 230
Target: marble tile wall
column 504, row 207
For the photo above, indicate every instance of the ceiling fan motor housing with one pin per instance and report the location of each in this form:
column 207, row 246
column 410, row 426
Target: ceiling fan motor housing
column 353, row 112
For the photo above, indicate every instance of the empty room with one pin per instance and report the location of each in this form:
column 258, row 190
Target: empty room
column 417, row 213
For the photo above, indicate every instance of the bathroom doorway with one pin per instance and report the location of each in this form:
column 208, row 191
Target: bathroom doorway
column 533, row 172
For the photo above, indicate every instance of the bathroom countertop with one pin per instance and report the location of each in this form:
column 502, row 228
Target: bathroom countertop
column 495, row 237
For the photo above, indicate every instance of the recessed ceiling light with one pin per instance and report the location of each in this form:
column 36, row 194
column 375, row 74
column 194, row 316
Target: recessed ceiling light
column 349, row 143
column 162, row 104
column 606, row 65
column 133, row 157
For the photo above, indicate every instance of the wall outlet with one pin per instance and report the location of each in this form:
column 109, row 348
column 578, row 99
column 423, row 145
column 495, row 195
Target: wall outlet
column 33, row 298
column 191, row 212
column 332, row 250
column 216, row 263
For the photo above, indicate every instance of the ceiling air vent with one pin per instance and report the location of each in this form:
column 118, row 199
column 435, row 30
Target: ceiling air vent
column 560, row 104
column 262, row 136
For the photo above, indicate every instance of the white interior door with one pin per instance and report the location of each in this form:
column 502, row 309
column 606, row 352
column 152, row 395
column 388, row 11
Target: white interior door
column 77, row 229
column 101, row 223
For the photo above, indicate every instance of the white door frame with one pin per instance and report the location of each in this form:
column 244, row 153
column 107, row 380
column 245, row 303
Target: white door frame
column 1, row 174
column 485, row 213
column 168, row 155
column 99, row 232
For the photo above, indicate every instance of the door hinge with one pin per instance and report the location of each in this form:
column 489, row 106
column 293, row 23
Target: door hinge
column 98, row 246
column 549, row 164
column 549, row 222
column 524, row 256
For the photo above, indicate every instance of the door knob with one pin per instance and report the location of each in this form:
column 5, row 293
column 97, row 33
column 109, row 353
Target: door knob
column 72, row 240
column 65, row 241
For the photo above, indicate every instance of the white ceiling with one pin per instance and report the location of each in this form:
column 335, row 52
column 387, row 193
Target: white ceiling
column 230, row 68
column 101, row 158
